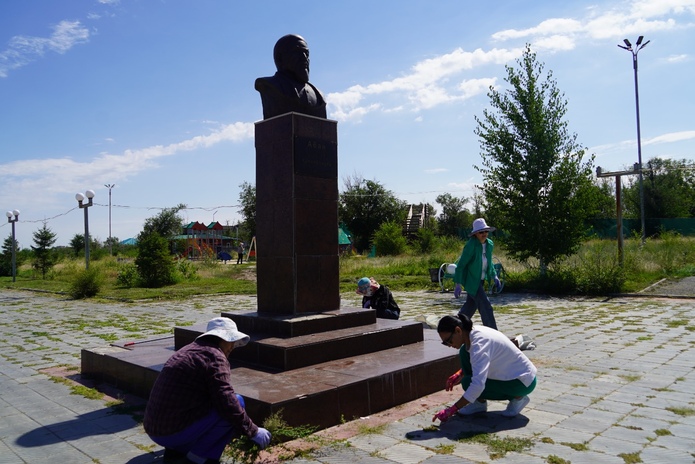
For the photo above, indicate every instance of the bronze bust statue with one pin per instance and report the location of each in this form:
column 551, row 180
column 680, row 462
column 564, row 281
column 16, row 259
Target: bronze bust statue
column 289, row 89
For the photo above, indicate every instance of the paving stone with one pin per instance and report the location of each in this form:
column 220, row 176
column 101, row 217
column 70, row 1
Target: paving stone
column 606, row 377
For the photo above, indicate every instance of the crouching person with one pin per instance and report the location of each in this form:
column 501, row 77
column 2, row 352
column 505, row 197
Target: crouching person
column 193, row 411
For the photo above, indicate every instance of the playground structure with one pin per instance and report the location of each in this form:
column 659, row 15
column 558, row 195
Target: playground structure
column 444, row 276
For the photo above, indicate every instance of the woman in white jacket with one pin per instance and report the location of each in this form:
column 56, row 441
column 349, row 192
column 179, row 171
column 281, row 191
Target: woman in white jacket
column 492, row 368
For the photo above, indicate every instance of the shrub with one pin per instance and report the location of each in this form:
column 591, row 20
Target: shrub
column 599, row 271
column 389, row 239
column 86, row 284
column 127, row 275
column 425, row 240
column 188, row 270
column 155, row 265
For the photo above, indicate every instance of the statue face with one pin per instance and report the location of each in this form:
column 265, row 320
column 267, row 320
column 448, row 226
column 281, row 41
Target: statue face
column 295, row 60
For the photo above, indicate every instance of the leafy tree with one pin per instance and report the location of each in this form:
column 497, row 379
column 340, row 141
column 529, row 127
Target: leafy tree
column 6, row 256
column 77, row 244
column 536, row 185
column 366, row 204
column 669, row 190
column 44, row 256
column 454, row 214
column 166, row 224
column 155, row 265
column 247, row 198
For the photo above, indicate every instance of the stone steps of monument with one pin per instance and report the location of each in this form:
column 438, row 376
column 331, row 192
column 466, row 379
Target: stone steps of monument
column 287, row 353
column 322, row 394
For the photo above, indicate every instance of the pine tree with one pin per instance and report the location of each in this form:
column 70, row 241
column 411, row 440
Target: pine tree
column 6, row 256
column 44, row 256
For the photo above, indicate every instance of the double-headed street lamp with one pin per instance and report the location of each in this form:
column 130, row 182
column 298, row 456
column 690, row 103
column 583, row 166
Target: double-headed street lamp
column 89, row 195
column 638, row 46
column 12, row 217
column 110, row 186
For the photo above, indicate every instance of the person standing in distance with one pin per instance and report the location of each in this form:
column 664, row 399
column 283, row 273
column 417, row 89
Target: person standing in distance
column 473, row 268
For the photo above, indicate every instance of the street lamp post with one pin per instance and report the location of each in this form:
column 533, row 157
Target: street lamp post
column 12, row 217
column 638, row 46
column 89, row 195
column 110, row 186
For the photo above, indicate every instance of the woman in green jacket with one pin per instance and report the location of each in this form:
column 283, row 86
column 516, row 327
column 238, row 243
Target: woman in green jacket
column 473, row 268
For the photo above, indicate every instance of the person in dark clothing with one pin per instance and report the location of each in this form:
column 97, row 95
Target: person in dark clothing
column 379, row 298
column 192, row 410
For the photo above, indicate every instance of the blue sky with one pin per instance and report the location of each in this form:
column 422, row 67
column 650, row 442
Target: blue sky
column 157, row 97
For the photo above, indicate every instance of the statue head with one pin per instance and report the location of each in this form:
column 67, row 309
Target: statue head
column 291, row 55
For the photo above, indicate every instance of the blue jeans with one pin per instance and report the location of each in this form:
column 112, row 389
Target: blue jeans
column 482, row 304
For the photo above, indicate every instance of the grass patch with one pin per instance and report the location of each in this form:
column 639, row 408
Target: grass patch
column 243, row 450
column 552, row 459
column 444, row 449
column 662, row 432
column 576, row 446
column 89, row 393
column 685, row 412
column 497, row 447
column 364, row 429
column 630, row 458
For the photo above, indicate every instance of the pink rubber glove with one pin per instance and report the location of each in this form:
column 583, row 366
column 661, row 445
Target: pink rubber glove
column 445, row 414
column 457, row 291
column 454, row 380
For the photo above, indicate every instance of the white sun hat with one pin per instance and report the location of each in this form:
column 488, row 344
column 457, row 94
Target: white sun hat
column 225, row 328
column 479, row 226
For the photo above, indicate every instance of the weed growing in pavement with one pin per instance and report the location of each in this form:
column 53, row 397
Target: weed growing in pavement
column 576, row 446
column 497, row 447
column 553, row 459
column 246, row 451
column 662, row 432
column 630, row 458
column 443, row 449
column 89, row 393
column 364, row 429
column 681, row 411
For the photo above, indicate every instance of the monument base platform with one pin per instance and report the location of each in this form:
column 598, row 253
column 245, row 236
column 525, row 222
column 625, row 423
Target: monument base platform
column 319, row 379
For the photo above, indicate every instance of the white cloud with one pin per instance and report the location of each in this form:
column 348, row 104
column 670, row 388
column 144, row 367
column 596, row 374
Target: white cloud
column 38, row 174
column 428, row 84
column 670, row 138
column 639, row 18
column 677, row 58
column 23, row 50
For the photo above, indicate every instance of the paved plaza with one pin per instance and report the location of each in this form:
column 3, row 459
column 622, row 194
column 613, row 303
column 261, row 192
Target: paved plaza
column 616, row 384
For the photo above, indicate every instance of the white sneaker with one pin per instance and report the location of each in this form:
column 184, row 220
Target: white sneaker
column 515, row 406
column 472, row 408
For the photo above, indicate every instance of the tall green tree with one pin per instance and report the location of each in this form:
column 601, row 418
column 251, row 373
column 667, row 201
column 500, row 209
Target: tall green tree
column 247, row 199
column 537, row 186
column 167, row 223
column 44, row 256
column 454, row 215
column 6, row 256
column 669, row 189
column 364, row 205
